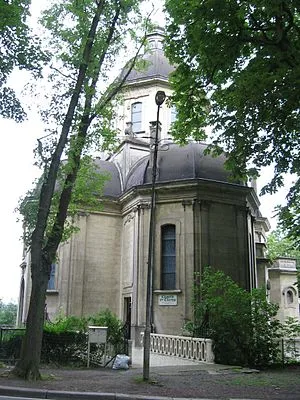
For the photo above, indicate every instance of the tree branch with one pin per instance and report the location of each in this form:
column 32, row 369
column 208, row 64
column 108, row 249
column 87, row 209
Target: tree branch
column 113, row 90
column 74, row 157
column 49, row 183
column 61, row 73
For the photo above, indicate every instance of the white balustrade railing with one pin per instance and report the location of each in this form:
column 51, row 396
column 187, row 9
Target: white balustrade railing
column 185, row 347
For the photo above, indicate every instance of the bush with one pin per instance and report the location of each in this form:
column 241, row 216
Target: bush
column 265, row 330
column 10, row 346
column 66, row 324
column 8, row 313
column 65, row 340
column 241, row 324
column 290, row 332
column 64, row 348
column 115, row 333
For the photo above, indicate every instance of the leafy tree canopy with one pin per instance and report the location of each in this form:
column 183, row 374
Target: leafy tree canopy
column 85, row 39
column 86, row 195
column 239, row 71
column 8, row 313
column 18, row 49
column 289, row 215
column 67, row 23
column 279, row 245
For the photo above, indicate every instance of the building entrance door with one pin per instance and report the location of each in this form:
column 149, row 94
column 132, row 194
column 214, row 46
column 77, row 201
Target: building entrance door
column 127, row 316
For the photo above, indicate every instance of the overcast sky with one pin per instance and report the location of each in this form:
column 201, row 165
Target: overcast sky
column 17, row 174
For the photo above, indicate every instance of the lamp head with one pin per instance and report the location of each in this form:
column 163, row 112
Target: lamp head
column 160, row 97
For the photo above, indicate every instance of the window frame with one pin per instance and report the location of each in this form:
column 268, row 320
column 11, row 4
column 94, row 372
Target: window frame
column 52, row 282
column 136, row 125
column 173, row 115
column 290, row 295
column 166, row 258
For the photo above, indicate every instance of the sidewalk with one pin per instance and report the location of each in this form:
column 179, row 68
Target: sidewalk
column 170, row 378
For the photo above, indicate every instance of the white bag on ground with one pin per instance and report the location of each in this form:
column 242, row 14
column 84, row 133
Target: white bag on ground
column 121, row 362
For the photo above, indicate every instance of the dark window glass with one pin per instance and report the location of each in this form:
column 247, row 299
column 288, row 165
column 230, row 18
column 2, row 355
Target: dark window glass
column 136, row 117
column 168, row 257
column 289, row 297
column 51, row 282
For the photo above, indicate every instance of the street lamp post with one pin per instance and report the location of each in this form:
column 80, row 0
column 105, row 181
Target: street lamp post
column 159, row 99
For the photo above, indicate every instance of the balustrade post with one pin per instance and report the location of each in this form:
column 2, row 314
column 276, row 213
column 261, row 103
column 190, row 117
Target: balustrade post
column 209, row 351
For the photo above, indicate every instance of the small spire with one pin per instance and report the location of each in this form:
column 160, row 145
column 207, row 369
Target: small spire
column 156, row 37
column 128, row 129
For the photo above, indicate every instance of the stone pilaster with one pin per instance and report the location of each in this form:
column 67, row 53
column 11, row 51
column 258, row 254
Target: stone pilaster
column 187, row 270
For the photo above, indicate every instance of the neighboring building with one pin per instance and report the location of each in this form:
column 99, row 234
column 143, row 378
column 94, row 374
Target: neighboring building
column 283, row 289
column 202, row 218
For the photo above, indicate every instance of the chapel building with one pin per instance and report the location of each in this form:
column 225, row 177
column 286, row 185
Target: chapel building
column 203, row 218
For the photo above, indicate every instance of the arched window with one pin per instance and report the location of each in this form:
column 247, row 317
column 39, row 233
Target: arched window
column 290, row 295
column 136, row 117
column 168, row 257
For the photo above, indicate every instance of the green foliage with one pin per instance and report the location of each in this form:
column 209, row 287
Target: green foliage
column 68, row 24
column 119, row 31
column 84, row 40
column 18, row 49
column 241, row 324
column 115, row 335
column 291, row 328
column 289, row 332
column 66, row 324
column 65, row 340
column 289, row 215
column 239, row 72
column 64, row 348
column 85, row 195
column 8, row 313
column 264, row 330
column 279, row 245
column 10, row 346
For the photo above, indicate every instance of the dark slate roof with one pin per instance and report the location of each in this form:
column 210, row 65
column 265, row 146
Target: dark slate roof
column 157, row 67
column 112, row 187
column 178, row 163
column 136, row 176
column 175, row 164
column 189, row 162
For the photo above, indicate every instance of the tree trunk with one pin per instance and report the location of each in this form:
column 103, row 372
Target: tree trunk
column 43, row 251
column 28, row 365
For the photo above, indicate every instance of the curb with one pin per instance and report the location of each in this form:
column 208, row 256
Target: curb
column 56, row 394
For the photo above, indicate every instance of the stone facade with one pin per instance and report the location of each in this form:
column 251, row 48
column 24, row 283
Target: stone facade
column 104, row 265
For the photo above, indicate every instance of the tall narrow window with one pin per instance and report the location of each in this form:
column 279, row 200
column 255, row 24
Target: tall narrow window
column 173, row 114
column 136, row 117
column 168, row 257
column 51, row 282
column 289, row 297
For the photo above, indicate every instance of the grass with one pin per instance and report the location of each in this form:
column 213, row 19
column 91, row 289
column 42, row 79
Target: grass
column 279, row 378
column 50, row 377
